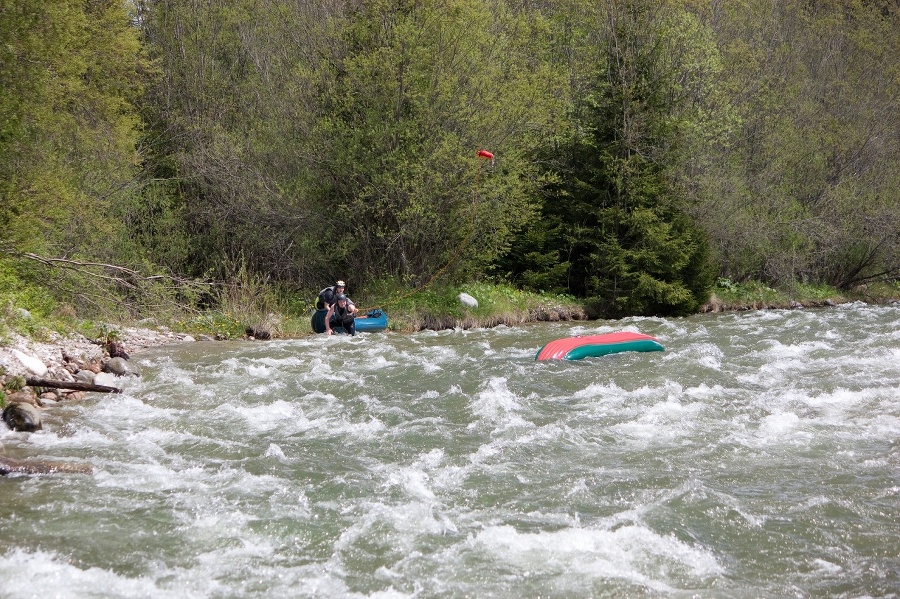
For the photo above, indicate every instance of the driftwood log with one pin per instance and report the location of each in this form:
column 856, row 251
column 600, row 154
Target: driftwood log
column 70, row 385
column 10, row 465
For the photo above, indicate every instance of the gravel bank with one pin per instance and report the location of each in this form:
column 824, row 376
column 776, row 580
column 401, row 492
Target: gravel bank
column 23, row 357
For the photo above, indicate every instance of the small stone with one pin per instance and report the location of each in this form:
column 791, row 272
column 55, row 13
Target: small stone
column 117, row 350
column 106, row 379
column 85, row 376
column 60, row 374
column 117, row 366
column 26, row 395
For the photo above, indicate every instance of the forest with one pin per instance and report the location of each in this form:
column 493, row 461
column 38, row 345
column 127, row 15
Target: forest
column 629, row 153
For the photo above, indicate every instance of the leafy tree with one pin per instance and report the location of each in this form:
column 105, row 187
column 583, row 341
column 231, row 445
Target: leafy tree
column 423, row 86
column 325, row 138
column 803, row 187
column 230, row 133
column 70, row 74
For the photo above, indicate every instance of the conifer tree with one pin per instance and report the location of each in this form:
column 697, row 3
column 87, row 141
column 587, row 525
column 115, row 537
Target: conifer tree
column 612, row 211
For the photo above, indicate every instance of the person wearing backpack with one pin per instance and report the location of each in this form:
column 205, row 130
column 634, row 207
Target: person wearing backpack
column 327, row 295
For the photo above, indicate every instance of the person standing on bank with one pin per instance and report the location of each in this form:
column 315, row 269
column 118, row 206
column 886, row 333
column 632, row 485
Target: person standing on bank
column 342, row 313
column 326, row 296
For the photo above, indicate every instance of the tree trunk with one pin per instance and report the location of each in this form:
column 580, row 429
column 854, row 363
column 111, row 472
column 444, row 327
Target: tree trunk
column 72, row 386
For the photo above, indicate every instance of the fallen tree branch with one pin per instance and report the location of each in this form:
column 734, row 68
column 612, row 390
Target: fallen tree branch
column 70, row 385
column 12, row 465
column 85, row 268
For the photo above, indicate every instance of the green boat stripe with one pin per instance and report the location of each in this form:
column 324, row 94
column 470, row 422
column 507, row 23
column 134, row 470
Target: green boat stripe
column 602, row 349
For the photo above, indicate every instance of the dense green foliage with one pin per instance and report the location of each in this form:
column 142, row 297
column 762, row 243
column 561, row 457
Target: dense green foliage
column 70, row 76
column 642, row 147
column 612, row 208
column 801, row 183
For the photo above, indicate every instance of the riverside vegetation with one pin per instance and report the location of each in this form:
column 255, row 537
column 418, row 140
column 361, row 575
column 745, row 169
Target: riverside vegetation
column 71, row 347
column 208, row 166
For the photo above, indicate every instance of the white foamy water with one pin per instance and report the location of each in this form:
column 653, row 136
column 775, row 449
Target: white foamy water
column 757, row 456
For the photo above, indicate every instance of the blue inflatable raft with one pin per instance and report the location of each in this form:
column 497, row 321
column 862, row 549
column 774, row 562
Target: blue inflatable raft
column 373, row 321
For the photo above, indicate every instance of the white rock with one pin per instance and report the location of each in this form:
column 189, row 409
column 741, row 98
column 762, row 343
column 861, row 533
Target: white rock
column 33, row 364
column 467, row 300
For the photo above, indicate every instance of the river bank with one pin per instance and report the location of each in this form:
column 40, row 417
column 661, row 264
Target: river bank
column 62, row 358
column 52, row 354
column 57, row 350
column 59, row 356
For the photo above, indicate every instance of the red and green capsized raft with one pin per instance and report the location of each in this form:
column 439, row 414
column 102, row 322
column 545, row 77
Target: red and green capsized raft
column 576, row 348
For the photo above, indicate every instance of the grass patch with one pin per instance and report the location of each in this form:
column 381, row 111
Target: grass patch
column 746, row 295
column 25, row 307
column 884, row 290
column 438, row 307
column 753, row 295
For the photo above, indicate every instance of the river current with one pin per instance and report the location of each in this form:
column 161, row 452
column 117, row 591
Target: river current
column 757, row 456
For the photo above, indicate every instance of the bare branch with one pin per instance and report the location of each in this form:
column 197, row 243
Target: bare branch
column 85, row 269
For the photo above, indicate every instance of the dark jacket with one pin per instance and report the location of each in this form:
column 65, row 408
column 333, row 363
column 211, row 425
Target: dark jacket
column 326, row 298
column 342, row 315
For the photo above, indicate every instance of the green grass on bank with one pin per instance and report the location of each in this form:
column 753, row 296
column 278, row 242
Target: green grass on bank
column 753, row 295
column 27, row 308
column 438, row 307
column 247, row 302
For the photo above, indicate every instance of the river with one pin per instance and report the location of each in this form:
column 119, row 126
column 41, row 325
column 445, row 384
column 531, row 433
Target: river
column 757, row 456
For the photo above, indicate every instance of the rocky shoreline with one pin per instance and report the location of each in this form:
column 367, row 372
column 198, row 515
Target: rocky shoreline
column 84, row 363
column 21, row 356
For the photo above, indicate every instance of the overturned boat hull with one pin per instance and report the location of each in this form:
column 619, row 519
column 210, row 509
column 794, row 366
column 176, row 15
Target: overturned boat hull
column 576, row 348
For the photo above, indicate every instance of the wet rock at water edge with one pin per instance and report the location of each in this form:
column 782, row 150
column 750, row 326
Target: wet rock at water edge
column 117, row 350
column 49, row 397
column 107, row 379
column 118, row 367
column 258, row 332
column 25, row 395
column 85, row 376
column 22, row 417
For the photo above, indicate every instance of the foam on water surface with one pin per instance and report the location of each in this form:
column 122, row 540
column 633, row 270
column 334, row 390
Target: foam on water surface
column 756, row 456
